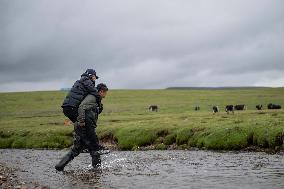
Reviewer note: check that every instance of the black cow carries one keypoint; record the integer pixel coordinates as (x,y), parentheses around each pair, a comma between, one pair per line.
(215,109)
(153,108)
(259,106)
(229,108)
(240,107)
(273,106)
(197,108)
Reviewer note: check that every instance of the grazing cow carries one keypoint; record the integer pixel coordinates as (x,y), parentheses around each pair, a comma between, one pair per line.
(197,108)
(240,107)
(229,108)
(273,106)
(215,109)
(153,108)
(259,106)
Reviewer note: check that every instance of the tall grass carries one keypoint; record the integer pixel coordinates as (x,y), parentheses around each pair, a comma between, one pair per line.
(35,120)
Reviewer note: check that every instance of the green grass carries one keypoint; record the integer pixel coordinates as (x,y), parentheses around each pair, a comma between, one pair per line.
(35,119)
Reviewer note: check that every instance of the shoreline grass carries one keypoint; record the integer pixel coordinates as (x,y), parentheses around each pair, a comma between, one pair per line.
(35,120)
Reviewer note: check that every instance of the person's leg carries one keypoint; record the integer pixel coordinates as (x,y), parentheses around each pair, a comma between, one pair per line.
(93,149)
(64,161)
(96,159)
(91,140)
(71,113)
(91,134)
(75,151)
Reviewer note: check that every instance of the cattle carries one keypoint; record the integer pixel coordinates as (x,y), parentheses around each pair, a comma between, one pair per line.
(153,108)
(215,109)
(273,106)
(197,108)
(259,106)
(240,107)
(229,108)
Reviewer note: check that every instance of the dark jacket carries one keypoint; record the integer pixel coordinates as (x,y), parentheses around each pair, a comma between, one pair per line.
(79,91)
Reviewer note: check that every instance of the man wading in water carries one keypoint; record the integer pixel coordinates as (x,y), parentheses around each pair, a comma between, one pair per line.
(85,130)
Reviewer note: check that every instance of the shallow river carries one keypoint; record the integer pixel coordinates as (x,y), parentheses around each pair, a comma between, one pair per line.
(151,169)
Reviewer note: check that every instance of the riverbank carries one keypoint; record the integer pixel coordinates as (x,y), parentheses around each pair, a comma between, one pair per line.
(34,120)
(10,179)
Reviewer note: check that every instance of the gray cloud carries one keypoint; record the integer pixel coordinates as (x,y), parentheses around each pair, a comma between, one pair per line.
(141,44)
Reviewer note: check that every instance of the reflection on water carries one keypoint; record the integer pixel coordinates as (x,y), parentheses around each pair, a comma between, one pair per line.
(152,169)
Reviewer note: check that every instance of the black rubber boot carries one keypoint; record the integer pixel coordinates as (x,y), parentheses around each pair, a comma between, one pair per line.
(101,147)
(64,161)
(96,159)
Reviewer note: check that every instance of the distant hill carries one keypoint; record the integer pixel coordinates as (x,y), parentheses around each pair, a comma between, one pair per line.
(213,88)
(65,89)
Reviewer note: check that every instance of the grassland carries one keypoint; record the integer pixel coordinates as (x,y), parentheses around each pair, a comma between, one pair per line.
(35,120)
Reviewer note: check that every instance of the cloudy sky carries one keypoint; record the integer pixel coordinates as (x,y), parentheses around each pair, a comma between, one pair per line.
(141,44)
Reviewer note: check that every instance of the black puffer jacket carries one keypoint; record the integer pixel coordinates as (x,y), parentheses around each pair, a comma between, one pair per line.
(79,91)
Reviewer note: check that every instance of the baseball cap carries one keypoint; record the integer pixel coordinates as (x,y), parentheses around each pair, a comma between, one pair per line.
(91,72)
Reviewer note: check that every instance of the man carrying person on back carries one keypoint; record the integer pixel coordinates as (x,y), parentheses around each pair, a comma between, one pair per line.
(81,88)
(85,130)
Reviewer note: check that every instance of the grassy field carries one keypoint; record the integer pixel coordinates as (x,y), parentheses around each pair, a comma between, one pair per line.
(35,119)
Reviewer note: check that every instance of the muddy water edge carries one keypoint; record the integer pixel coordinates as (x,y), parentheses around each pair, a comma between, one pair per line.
(148,169)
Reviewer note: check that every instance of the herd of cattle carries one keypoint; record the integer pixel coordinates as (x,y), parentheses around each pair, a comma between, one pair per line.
(228,108)
(232,108)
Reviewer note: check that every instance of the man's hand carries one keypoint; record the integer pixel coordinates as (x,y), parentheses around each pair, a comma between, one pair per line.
(101,107)
(82,124)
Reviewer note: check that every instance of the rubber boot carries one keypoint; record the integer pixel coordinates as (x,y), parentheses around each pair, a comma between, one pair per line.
(101,147)
(96,159)
(64,161)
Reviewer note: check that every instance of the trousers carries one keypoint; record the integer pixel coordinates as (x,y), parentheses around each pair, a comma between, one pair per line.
(71,113)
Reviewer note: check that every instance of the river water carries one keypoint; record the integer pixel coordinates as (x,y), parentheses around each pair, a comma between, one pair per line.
(151,169)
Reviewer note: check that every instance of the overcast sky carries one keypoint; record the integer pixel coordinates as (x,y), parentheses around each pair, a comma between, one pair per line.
(48,44)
